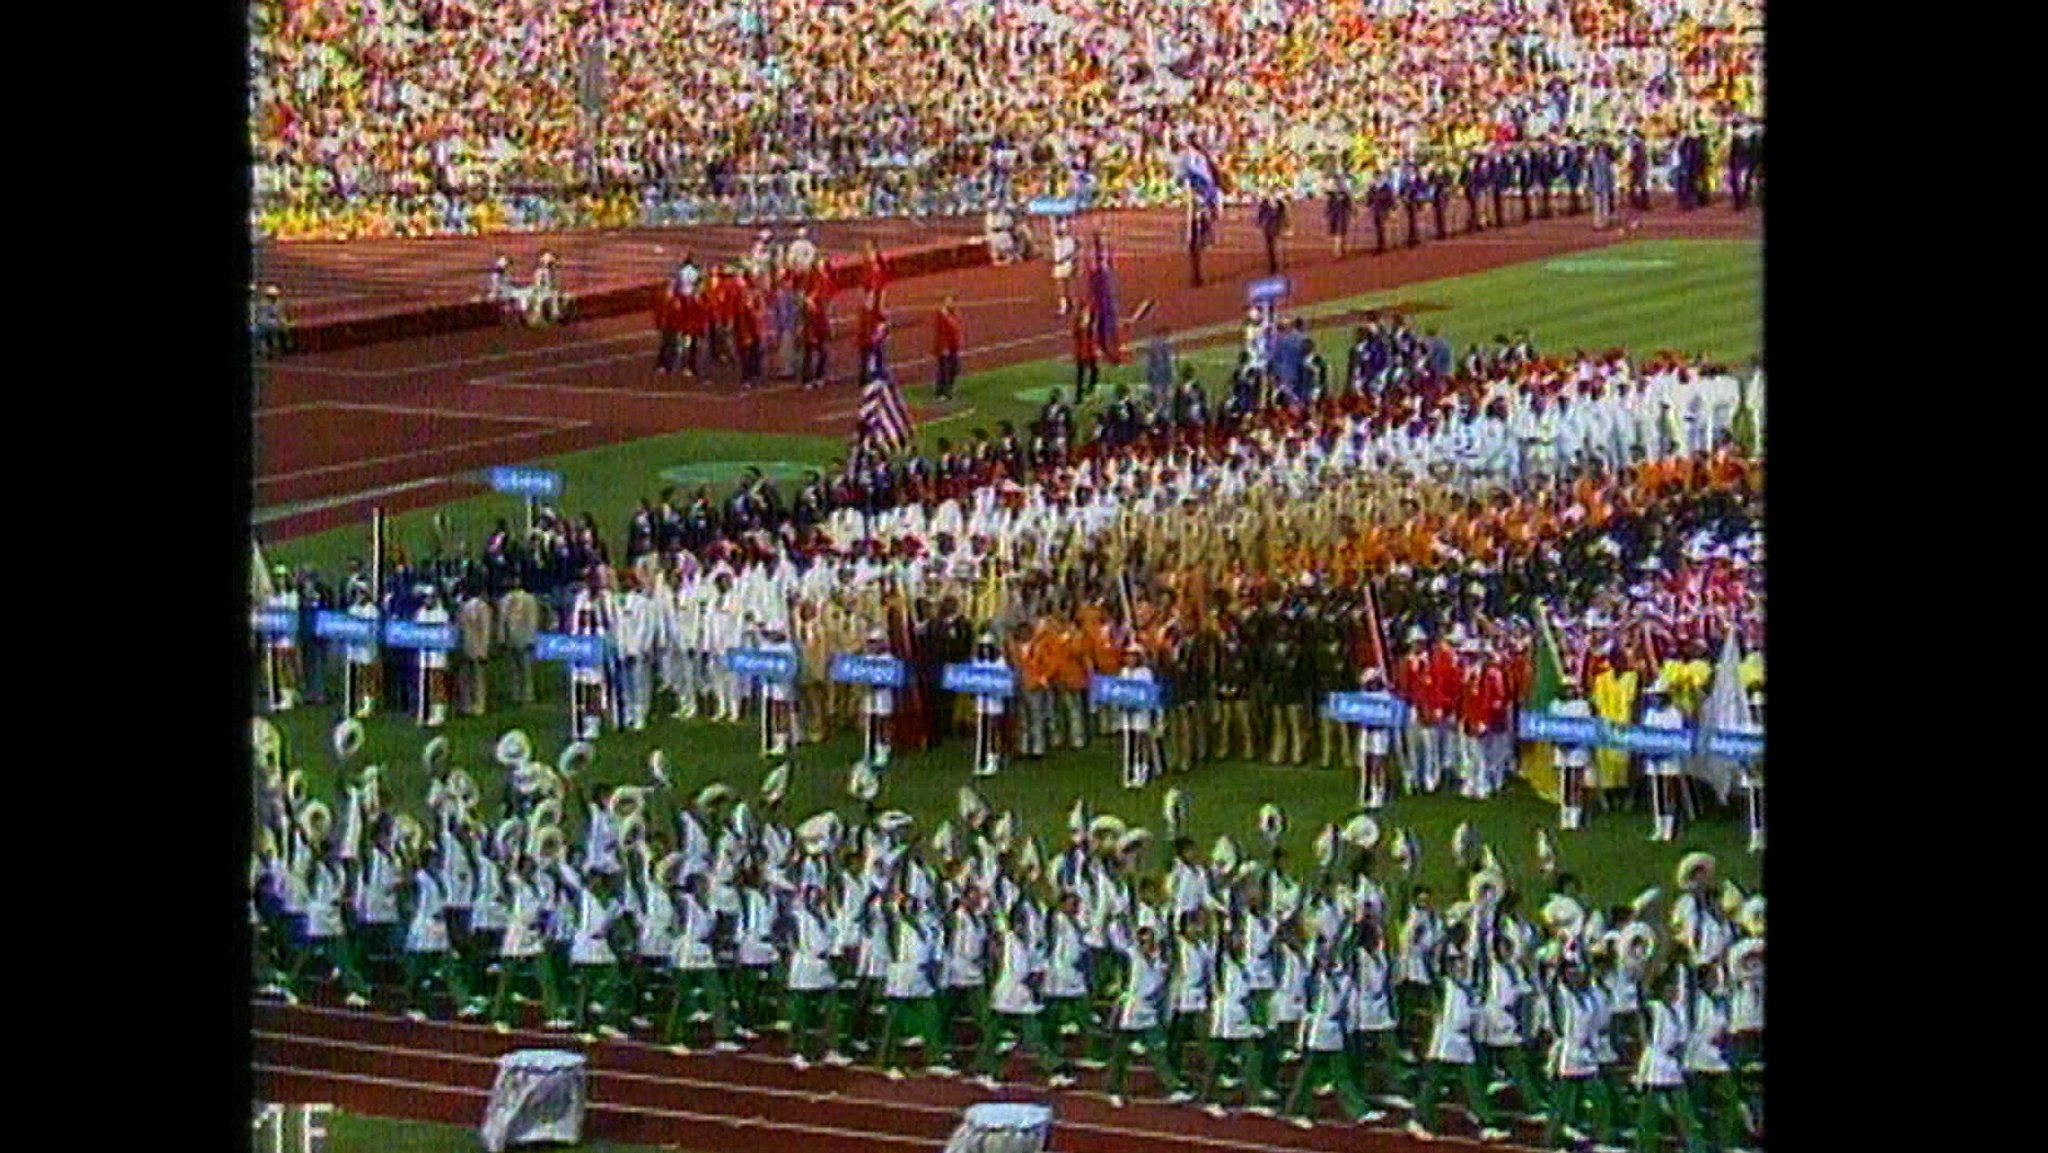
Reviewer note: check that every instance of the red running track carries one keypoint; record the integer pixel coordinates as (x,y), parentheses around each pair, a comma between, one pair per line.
(642,1094)
(407,424)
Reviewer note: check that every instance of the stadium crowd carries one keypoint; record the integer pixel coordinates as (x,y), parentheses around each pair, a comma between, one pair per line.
(1251,554)
(1240,978)
(413,117)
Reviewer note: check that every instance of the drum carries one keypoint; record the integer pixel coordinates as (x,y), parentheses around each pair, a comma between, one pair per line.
(538,1096)
(1002,1127)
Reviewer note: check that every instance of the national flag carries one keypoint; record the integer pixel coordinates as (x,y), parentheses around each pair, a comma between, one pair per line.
(1726,708)
(1206,179)
(884,422)
(1538,760)
(1376,635)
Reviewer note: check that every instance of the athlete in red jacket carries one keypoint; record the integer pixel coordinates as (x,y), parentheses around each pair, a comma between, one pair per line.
(946,344)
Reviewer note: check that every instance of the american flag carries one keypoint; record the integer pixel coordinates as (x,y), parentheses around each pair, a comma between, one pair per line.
(885,423)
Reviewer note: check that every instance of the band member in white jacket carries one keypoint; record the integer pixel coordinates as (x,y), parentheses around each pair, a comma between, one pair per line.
(1573,1063)
(813,987)
(1451,1048)
(1660,1070)
(1015,1007)
(1137,1017)
(428,958)
(1574,762)
(1330,1001)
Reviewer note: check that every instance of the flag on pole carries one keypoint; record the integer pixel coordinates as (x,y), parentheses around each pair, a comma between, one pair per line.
(884,422)
(1376,635)
(1538,760)
(1726,707)
(260,590)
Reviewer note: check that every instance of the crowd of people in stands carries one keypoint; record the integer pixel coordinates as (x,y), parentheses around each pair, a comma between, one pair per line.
(1242,979)
(398,117)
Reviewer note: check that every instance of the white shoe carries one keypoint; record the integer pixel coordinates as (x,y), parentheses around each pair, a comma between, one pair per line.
(1216,1111)
(942,1071)
(1261,1110)
(355,1001)
(799,1061)
(587,1038)
(1116,1100)
(1493,1134)
(894,1074)
(1370,1116)
(987,1082)
(1179,1097)
(500,1027)
(835,1057)
(1059,1080)
(415,1015)
(679,1049)
(1415,1130)
(726,1047)
(1301,1122)
(1396,1100)
(611,1032)
(556,1023)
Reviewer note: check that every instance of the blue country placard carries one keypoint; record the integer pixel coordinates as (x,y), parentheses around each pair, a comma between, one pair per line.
(1267,289)
(1651,741)
(526,481)
(1052,206)
(274,622)
(762,664)
(339,626)
(413,635)
(1122,692)
(1736,746)
(577,649)
(1558,730)
(980,679)
(868,669)
(1373,710)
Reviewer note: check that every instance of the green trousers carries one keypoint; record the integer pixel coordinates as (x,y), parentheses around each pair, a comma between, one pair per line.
(600,984)
(1326,1068)
(1247,1059)
(1653,1106)
(1182,1028)
(1031,1037)
(442,969)
(698,991)
(1512,1063)
(1373,1064)
(1434,1074)
(337,953)
(1154,1040)
(860,1015)
(533,969)
(755,995)
(1569,1097)
(1059,1013)
(915,1016)
(807,1008)
(969,1001)
(1717,1101)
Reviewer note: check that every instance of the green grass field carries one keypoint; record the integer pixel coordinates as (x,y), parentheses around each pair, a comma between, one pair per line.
(1706,299)
(1700,296)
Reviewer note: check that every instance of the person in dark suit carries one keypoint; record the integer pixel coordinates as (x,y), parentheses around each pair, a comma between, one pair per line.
(1337,214)
(1638,172)
(1381,201)
(1473,179)
(1545,157)
(1574,176)
(1439,195)
(1272,222)
(1499,172)
(1415,192)
(1525,179)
